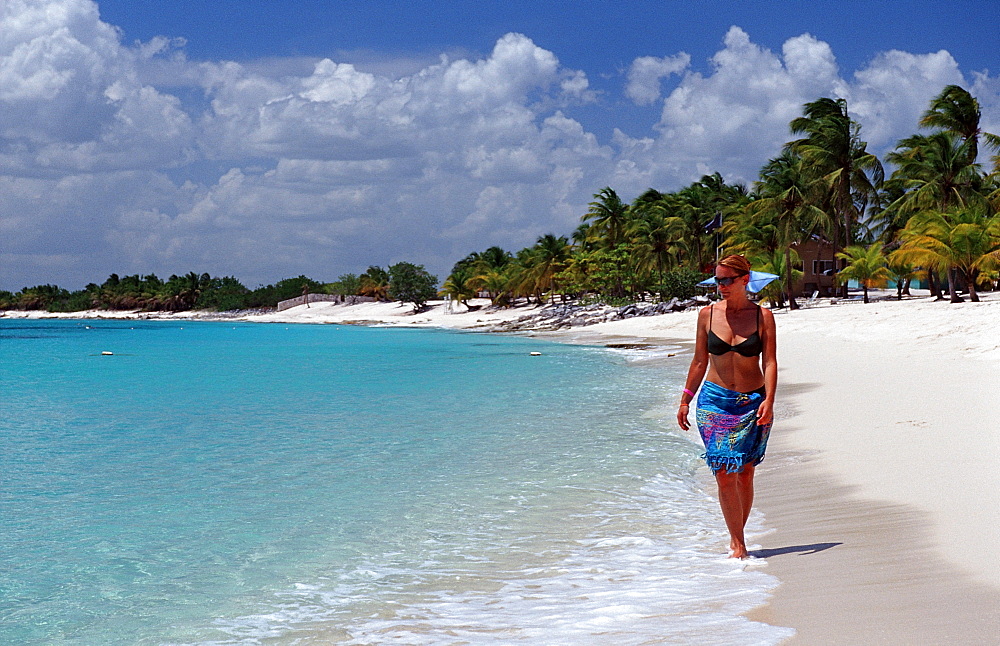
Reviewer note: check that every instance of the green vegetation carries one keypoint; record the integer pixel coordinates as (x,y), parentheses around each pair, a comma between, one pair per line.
(150,293)
(937,217)
(867,265)
(411,283)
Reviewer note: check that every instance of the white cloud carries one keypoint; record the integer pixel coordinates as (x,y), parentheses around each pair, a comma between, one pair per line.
(889,95)
(70,98)
(646,72)
(737,117)
(280,167)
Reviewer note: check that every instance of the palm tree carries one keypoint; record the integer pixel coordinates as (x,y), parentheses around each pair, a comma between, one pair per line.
(885,221)
(774,262)
(583,236)
(833,151)
(991,190)
(375,283)
(784,192)
(936,174)
(460,286)
(903,273)
(546,259)
(700,204)
(964,240)
(495,282)
(656,236)
(609,216)
(194,285)
(956,111)
(993,141)
(494,258)
(867,265)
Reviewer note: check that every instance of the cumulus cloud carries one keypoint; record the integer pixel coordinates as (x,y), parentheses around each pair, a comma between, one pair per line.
(646,72)
(71,100)
(741,110)
(894,89)
(736,117)
(131,158)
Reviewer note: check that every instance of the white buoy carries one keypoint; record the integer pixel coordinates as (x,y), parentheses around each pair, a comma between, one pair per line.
(107,354)
(536,354)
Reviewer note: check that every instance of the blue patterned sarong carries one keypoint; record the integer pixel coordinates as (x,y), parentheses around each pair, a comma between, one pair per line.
(727,421)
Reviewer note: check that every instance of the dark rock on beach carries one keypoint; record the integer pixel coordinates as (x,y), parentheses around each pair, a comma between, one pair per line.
(567,315)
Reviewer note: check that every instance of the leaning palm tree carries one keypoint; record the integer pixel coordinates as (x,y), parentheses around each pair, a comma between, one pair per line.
(459,286)
(832,151)
(867,265)
(964,241)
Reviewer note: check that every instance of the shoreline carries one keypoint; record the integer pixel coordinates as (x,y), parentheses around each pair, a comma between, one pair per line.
(872,473)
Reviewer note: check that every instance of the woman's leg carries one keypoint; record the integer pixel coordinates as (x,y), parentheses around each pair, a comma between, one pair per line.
(745,485)
(730,499)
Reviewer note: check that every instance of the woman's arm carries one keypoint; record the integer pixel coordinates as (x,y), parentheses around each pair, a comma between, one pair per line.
(699,364)
(765,414)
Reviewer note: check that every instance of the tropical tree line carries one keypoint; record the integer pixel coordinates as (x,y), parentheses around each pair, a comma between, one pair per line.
(934,218)
(402,281)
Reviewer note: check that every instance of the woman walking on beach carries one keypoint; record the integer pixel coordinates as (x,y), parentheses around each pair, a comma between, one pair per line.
(735,344)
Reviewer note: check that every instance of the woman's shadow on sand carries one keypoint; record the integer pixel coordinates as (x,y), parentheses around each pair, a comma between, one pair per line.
(793,549)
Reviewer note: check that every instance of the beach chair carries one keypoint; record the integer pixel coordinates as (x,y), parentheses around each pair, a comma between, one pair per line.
(812,300)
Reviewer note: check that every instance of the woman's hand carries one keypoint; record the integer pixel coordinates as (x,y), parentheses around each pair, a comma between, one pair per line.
(765,414)
(682,416)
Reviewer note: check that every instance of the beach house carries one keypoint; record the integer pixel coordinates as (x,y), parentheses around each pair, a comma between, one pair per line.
(818,267)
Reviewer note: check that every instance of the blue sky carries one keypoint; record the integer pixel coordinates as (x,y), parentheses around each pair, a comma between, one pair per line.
(265,139)
(600,37)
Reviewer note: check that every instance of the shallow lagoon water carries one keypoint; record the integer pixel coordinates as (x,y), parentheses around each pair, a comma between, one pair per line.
(219,483)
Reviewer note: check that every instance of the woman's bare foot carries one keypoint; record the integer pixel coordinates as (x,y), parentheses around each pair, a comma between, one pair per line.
(739,552)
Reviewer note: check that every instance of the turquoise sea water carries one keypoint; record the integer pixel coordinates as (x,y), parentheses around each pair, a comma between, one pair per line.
(220,483)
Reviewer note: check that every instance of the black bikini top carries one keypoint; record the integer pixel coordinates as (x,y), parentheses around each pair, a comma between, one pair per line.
(752,346)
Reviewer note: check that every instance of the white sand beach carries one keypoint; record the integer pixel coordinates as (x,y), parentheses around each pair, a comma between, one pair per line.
(881,484)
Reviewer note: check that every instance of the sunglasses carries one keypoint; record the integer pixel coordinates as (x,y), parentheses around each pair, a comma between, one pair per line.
(726,282)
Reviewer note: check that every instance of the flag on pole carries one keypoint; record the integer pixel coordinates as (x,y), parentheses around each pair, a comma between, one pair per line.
(714,223)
